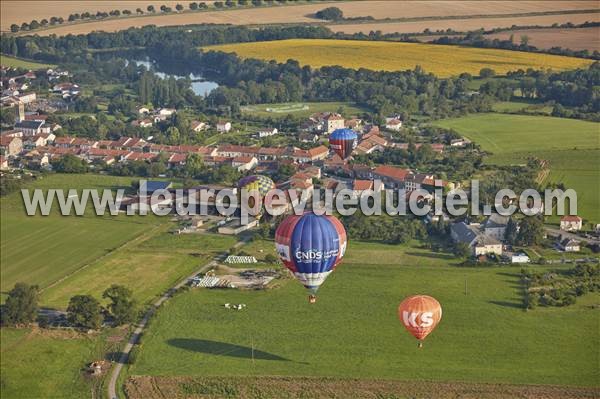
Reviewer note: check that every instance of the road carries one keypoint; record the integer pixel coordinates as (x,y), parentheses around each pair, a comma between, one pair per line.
(552,231)
(112,385)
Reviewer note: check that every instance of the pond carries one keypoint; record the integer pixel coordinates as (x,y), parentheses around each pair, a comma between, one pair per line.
(199,85)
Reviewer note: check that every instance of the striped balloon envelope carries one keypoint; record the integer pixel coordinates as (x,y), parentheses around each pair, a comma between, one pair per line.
(311,246)
(262,184)
(420,314)
(343,142)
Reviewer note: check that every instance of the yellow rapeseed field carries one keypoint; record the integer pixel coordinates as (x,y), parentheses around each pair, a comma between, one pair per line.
(441,60)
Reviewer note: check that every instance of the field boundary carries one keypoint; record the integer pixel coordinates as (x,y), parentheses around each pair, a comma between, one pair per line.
(135,239)
(327,387)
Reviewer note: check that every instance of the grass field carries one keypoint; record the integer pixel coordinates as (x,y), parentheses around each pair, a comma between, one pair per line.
(85,255)
(353,330)
(47,364)
(572,147)
(21,63)
(441,60)
(281,110)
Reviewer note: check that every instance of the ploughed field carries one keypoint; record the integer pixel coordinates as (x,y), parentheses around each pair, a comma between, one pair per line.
(440,60)
(353,332)
(572,147)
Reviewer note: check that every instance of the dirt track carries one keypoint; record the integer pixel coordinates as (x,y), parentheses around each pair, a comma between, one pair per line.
(139,387)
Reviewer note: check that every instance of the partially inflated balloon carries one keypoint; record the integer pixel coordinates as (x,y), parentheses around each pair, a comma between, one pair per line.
(256,183)
(343,142)
(311,246)
(420,314)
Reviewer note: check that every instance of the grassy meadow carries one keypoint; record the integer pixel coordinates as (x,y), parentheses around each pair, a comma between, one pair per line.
(14,62)
(572,147)
(443,61)
(86,254)
(353,330)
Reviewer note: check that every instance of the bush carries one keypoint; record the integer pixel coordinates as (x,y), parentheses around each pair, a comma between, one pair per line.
(330,14)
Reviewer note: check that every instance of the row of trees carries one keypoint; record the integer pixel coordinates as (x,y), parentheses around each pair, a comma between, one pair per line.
(84,311)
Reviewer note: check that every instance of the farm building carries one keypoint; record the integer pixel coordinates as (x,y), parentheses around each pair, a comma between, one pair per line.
(235,226)
(571,222)
(569,245)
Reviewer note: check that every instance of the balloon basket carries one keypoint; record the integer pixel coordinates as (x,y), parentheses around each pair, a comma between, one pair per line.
(312,299)
(420,345)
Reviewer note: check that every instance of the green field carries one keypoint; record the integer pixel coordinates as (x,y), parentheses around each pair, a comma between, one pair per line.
(303,110)
(572,147)
(89,253)
(13,62)
(47,364)
(353,330)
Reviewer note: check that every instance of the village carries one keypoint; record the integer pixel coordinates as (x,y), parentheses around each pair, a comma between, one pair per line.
(32,143)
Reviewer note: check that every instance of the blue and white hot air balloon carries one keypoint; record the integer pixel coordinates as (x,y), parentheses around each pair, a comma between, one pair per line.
(311,246)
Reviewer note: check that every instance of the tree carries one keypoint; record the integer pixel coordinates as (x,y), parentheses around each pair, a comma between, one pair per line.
(270,258)
(122,306)
(330,14)
(524,40)
(84,311)
(486,73)
(21,304)
(462,250)
(531,231)
(150,9)
(69,164)
(14,28)
(218,4)
(193,6)
(179,7)
(510,234)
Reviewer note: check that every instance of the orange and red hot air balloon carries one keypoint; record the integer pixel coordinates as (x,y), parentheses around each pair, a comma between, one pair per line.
(420,314)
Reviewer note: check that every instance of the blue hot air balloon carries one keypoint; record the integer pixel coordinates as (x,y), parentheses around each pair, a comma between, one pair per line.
(343,142)
(311,246)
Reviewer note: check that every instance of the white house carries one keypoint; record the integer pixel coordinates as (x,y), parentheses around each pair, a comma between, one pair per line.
(166,112)
(243,163)
(223,127)
(571,222)
(569,245)
(267,132)
(495,226)
(198,126)
(519,257)
(479,243)
(393,124)
(334,121)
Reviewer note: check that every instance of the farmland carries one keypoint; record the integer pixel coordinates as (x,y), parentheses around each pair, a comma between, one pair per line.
(298,13)
(281,110)
(41,363)
(353,331)
(574,39)
(13,62)
(571,146)
(87,254)
(463,25)
(440,60)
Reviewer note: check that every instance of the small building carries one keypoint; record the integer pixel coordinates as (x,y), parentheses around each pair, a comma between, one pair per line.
(244,163)
(267,132)
(471,235)
(223,126)
(235,226)
(10,146)
(333,122)
(29,128)
(393,124)
(495,226)
(569,245)
(519,257)
(198,126)
(571,223)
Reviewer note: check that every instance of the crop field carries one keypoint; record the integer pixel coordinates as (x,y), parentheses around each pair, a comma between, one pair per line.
(298,13)
(463,25)
(571,146)
(353,332)
(13,62)
(281,110)
(86,254)
(440,60)
(574,39)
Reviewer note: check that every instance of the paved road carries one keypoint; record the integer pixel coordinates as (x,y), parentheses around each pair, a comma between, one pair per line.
(556,232)
(112,385)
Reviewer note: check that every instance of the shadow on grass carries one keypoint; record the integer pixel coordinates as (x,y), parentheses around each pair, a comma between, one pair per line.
(508,304)
(432,255)
(222,349)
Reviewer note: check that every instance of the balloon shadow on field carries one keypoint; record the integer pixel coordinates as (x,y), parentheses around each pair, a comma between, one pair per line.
(222,349)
